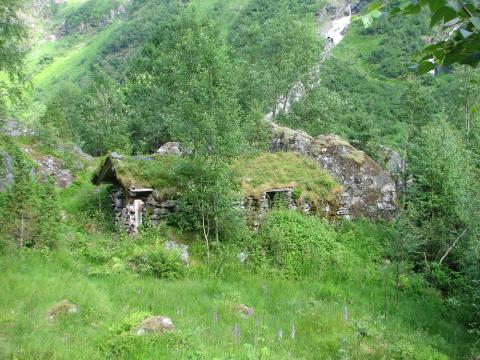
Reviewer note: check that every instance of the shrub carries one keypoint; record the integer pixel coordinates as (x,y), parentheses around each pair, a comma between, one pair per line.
(156,261)
(406,350)
(297,245)
(120,339)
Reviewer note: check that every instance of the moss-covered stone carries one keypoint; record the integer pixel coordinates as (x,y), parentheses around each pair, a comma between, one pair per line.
(63,307)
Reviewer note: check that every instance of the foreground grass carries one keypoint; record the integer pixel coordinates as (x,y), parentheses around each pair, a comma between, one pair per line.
(349,312)
(333,316)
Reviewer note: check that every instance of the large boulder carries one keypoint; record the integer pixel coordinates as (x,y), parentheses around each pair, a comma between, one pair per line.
(368,190)
(286,139)
(170,148)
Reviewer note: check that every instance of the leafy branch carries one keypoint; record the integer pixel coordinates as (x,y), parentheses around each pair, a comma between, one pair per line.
(460,18)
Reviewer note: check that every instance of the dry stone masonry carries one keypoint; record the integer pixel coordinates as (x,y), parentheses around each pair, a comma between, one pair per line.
(257,208)
(133,205)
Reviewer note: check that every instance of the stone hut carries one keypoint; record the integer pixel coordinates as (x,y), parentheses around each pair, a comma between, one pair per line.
(130,201)
(325,176)
(142,187)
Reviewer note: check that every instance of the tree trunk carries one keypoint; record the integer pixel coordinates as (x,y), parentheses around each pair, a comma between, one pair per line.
(206,231)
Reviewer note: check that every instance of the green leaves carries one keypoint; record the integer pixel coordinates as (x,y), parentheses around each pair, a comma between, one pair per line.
(373,12)
(443,13)
(460,19)
(433,5)
(425,66)
(368,19)
(475,20)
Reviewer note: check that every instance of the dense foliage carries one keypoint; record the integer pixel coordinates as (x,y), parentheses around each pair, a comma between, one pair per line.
(298,246)
(460,25)
(12,36)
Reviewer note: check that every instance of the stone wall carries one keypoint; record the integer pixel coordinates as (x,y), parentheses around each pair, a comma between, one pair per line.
(257,208)
(132,211)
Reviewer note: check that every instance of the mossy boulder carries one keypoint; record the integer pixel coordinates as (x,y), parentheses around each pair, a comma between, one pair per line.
(63,307)
(368,190)
(154,325)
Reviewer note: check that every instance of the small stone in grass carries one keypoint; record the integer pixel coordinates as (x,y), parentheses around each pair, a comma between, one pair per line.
(244,310)
(154,325)
(62,307)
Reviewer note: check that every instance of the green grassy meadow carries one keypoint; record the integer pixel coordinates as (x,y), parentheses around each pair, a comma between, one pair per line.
(345,311)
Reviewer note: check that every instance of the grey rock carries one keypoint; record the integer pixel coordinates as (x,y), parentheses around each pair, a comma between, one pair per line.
(170,148)
(286,139)
(169,204)
(15,128)
(82,155)
(181,248)
(161,212)
(243,256)
(154,325)
(368,190)
(50,166)
(396,166)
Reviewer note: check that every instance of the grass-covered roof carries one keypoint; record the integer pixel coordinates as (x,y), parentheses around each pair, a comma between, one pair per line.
(256,174)
(285,170)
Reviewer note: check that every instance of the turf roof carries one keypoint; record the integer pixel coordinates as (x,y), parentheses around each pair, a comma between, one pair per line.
(256,174)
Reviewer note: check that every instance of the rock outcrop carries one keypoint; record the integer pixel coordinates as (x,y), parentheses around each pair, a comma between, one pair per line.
(368,190)
(49,166)
(15,128)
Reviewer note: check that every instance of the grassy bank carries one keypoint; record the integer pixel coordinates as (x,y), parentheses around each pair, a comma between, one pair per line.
(377,325)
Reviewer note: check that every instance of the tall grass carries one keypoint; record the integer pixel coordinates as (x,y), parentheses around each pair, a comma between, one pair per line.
(376,324)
